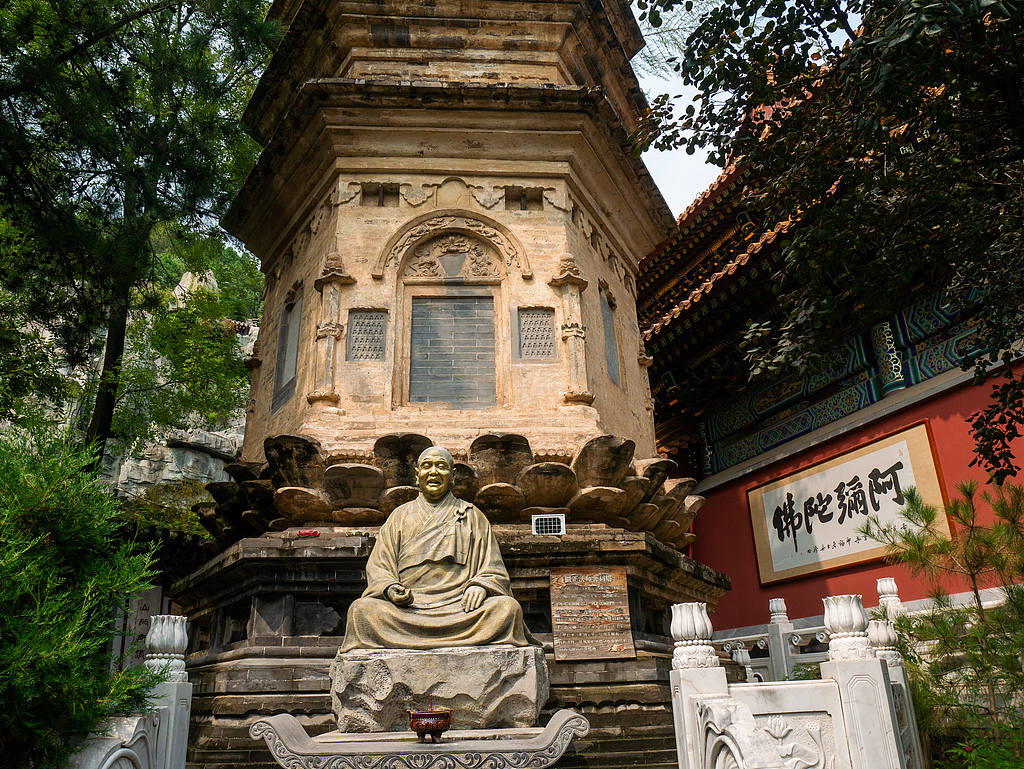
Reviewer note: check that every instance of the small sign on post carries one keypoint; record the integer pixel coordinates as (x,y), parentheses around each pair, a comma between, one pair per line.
(590,614)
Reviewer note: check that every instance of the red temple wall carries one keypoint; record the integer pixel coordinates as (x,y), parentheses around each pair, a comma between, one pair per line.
(725,539)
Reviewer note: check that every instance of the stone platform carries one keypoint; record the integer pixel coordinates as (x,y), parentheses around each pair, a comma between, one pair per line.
(461,749)
(486,687)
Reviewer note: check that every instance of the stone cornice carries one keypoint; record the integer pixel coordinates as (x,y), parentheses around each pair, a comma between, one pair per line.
(416,98)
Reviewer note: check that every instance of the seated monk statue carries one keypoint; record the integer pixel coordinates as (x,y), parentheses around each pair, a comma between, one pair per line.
(435,577)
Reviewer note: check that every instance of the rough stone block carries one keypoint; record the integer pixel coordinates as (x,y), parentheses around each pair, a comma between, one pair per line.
(487,687)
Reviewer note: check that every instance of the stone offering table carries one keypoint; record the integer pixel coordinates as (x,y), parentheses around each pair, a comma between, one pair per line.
(468,749)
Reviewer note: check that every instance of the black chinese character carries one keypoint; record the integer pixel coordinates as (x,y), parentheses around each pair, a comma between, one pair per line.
(884,481)
(787,521)
(851,498)
(817,507)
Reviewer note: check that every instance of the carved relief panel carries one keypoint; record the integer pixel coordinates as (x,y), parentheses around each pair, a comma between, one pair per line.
(454,257)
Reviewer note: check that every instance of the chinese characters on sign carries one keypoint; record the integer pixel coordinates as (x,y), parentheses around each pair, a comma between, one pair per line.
(850,501)
(590,614)
(810,520)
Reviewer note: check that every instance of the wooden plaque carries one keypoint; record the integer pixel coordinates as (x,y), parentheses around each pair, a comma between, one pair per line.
(808,521)
(590,614)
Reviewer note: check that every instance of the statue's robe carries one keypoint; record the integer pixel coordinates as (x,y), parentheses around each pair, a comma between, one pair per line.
(436,551)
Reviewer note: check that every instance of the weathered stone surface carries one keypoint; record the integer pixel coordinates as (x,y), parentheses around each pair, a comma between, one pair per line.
(397,495)
(353,485)
(260,496)
(359,516)
(300,505)
(500,458)
(486,687)
(294,461)
(465,482)
(315,619)
(223,446)
(636,489)
(691,506)
(603,461)
(547,484)
(257,521)
(500,502)
(597,503)
(160,464)
(243,471)
(396,456)
(656,471)
(645,516)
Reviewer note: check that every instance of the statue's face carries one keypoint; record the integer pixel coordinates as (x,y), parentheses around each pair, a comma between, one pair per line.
(433,476)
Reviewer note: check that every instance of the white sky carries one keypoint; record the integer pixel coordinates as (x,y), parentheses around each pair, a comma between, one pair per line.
(680,177)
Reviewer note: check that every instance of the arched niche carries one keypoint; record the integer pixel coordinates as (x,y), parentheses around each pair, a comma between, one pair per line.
(429,226)
(452,346)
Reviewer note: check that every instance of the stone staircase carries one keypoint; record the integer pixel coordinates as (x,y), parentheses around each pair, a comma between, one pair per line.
(630,735)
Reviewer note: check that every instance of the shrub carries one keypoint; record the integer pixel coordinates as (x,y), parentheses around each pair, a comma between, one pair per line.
(62,573)
(964,661)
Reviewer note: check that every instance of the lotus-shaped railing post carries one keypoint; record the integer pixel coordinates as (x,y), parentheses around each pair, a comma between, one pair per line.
(165,645)
(691,629)
(847,623)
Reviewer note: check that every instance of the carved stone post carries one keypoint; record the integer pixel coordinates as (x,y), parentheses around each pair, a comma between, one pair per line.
(882,635)
(329,330)
(780,651)
(847,625)
(691,628)
(741,656)
(865,692)
(695,673)
(889,597)
(778,611)
(171,701)
(165,645)
(890,361)
(573,331)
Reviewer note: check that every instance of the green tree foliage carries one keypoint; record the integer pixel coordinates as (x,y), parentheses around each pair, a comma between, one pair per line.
(964,660)
(893,132)
(182,367)
(62,573)
(117,117)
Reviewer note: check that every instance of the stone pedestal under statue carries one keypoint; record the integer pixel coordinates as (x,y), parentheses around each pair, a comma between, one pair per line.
(487,687)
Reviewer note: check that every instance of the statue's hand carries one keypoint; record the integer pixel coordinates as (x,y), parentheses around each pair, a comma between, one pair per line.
(473,598)
(399,595)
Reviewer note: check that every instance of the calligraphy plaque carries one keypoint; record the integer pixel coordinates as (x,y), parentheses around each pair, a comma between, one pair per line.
(590,614)
(808,521)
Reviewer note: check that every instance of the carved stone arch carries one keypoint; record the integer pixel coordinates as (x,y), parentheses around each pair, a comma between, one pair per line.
(429,226)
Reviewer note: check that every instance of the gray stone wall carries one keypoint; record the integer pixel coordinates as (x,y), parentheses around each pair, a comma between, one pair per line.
(452,351)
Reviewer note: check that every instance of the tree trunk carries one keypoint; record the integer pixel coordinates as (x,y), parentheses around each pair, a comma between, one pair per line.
(106,396)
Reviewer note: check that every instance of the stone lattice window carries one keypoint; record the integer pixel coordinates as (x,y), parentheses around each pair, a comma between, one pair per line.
(536,333)
(367,334)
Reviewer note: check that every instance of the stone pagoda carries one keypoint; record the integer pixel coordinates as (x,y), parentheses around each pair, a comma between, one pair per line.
(449,218)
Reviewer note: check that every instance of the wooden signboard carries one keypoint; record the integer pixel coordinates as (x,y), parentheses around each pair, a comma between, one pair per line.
(590,614)
(808,521)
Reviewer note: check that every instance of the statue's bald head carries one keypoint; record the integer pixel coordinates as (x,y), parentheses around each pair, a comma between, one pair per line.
(434,473)
(437,451)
